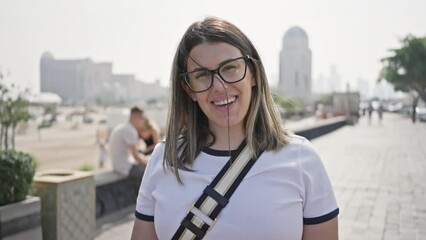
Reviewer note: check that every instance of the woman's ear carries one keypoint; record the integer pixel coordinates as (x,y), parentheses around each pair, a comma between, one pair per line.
(188,91)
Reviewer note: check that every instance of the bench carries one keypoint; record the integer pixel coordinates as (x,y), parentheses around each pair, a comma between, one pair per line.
(114,193)
(321,128)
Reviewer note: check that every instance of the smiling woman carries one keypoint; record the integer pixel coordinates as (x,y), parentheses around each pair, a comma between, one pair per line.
(228,169)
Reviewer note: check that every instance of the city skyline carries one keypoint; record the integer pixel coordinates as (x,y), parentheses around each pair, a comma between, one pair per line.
(140,37)
(82,81)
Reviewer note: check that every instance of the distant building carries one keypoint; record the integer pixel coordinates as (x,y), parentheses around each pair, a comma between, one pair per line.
(83,81)
(334,83)
(45,99)
(328,83)
(318,85)
(363,87)
(384,90)
(296,65)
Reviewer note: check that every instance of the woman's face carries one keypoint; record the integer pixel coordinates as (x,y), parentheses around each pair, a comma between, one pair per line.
(221,96)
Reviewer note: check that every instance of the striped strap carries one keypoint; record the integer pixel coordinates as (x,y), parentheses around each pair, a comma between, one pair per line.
(202,215)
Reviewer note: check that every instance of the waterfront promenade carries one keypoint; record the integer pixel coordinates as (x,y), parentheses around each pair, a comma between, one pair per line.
(378,171)
(379,175)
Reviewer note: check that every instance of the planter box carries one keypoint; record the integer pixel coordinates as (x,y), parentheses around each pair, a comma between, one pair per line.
(67,204)
(21,220)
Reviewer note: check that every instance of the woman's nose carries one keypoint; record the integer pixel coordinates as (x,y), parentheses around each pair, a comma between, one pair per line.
(218,82)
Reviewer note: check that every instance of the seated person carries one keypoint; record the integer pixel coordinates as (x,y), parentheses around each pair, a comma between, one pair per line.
(150,134)
(122,146)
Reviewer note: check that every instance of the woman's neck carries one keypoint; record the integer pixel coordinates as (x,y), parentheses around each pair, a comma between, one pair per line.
(223,141)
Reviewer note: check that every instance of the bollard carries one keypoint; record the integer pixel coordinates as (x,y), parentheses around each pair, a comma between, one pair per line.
(67,204)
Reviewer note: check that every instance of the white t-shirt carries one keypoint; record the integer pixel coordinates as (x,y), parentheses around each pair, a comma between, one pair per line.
(284,190)
(122,136)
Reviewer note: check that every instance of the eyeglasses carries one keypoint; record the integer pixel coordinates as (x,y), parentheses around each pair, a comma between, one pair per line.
(230,71)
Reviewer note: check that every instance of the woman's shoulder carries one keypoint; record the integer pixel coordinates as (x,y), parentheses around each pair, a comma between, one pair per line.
(297,140)
(298,146)
(157,154)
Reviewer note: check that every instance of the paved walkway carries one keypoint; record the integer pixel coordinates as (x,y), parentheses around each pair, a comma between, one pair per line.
(379,175)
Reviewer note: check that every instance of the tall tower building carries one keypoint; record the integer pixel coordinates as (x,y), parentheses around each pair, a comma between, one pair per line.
(296,65)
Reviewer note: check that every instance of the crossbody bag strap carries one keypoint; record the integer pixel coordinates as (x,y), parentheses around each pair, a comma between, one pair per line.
(202,215)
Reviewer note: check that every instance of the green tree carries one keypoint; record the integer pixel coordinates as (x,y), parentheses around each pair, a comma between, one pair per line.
(406,68)
(12,112)
(19,114)
(291,105)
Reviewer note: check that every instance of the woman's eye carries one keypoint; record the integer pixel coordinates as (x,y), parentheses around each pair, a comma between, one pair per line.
(229,67)
(229,70)
(201,75)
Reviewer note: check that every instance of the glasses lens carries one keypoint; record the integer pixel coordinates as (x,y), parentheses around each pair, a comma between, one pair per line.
(199,80)
(233,71)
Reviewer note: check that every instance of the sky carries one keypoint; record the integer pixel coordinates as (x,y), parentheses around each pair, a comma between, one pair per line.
(140,37)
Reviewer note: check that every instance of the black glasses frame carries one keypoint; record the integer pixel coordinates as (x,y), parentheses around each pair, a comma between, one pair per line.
(213,72)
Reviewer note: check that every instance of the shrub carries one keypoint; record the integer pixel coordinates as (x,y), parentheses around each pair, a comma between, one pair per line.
(86,167)
(17,171)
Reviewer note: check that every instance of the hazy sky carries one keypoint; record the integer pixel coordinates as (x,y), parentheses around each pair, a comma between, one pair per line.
(140,37)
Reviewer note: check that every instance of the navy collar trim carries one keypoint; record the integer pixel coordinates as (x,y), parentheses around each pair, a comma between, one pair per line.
(223,153)
(219,153)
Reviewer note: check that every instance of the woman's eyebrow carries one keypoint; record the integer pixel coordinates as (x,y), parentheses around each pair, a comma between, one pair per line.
(199,65)
(204,68)
(200,68)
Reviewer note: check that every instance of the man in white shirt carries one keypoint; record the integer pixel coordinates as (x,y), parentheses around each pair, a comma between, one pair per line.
(123,146)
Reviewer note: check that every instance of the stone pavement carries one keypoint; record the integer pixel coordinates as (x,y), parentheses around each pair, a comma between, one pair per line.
(378,171)
(379,175)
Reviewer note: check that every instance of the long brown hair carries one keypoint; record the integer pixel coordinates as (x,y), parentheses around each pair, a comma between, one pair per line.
(188,127)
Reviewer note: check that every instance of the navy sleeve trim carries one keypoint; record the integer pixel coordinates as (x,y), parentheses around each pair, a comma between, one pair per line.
(321,219)
(144,217)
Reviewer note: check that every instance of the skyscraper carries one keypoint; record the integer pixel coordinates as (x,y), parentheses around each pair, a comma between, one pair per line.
(296,65)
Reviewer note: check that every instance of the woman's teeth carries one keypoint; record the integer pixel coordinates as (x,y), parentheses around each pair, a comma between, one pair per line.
(224,102)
